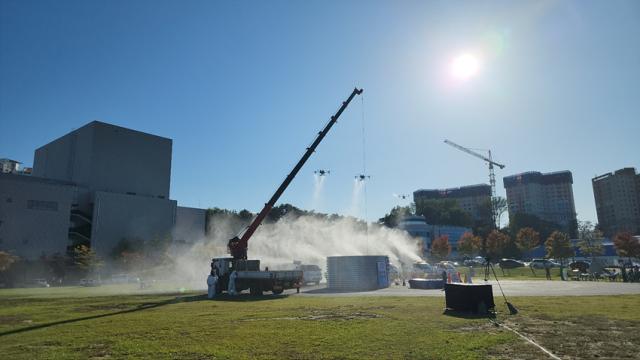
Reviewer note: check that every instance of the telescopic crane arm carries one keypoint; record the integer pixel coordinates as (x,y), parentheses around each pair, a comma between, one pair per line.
(238,246)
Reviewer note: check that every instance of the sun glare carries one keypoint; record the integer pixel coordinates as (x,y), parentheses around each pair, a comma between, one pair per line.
(465,66)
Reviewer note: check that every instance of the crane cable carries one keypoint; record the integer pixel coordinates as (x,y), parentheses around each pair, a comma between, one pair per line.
(364,172)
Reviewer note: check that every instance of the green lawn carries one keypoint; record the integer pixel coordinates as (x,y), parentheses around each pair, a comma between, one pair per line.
(86,323)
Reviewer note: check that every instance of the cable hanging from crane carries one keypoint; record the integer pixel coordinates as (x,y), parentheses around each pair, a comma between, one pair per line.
(364,172)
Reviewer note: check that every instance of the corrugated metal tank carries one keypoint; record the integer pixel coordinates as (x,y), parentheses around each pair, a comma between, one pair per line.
(357,273)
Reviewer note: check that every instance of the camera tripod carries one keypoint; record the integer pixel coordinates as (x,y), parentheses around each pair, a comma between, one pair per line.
(488,270)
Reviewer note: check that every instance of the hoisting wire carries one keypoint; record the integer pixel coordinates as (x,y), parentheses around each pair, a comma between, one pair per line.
(364,172)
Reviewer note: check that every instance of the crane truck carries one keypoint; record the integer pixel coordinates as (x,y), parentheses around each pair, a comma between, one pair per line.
(245,273)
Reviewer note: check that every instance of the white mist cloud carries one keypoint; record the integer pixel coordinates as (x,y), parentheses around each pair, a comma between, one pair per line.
(309,239)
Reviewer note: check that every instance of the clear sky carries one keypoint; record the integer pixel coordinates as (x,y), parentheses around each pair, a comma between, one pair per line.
(242,87)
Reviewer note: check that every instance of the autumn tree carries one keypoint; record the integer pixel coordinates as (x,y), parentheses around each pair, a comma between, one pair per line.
(440,247)
(627,245)
(527,239)
(469,245)
(85,259)
(496,243)
(7,260)
(558,246)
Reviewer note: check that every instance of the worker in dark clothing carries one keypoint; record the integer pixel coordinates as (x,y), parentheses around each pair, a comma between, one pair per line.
(547,271)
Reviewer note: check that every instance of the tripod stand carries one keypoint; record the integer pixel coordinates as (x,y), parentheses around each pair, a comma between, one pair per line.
(488,270)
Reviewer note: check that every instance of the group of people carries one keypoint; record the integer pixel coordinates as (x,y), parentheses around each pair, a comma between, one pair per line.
(630,274)
(212,283)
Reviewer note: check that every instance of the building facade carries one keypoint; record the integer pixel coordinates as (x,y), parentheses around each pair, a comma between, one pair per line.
(474,199)
(95,186)
(35,215)
(8,166)
(417,227)
(617,197)
(548,196)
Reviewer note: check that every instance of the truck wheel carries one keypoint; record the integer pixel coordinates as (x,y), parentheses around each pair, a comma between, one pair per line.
(255,291)
(277,291)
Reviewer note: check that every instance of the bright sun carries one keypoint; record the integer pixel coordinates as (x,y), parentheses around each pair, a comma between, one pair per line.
(465,66)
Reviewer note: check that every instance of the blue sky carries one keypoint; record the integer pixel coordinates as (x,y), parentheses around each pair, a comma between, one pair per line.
(242,87)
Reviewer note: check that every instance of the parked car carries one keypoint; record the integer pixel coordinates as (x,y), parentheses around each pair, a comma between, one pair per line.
(510,264)
(311,274)
(41,283)
(476,261)
(89,282)
(541,263)
(581,265)
(445,265)
(422,266)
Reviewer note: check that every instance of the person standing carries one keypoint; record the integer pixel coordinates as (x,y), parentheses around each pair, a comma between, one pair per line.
(212,283)
(231,290)
(547,270)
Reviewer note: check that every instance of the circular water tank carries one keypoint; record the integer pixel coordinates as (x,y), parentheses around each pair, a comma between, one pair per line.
(357,273)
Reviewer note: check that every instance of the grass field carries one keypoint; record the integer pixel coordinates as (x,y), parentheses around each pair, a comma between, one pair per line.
(105,322)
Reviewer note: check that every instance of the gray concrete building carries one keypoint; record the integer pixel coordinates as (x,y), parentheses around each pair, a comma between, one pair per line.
(34,215)
(105,157)
(190,225)
(617,197)
(474,199)
(97,185)
(548,196)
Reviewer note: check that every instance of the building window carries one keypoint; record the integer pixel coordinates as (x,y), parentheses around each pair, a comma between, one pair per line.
(9,200)
(42,205)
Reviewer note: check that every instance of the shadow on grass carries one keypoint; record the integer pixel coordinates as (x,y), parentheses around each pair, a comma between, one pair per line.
(468,315)
(147,306)
(246,297)
(334,291)
(144,306)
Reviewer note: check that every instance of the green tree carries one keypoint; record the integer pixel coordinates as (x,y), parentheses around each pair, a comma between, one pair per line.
(498,207)
(590,239)
(58,265)
(393,218)
(469,245)
(527,239)
(440,247)
(627,245)
(126,245)
(443,212)
(558,246)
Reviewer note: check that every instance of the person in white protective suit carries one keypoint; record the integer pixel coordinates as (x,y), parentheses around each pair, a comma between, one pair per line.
(232,283)
(212,282)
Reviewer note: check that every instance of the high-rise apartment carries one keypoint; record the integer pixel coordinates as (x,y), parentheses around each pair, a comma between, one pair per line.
(548,196)
(617,197)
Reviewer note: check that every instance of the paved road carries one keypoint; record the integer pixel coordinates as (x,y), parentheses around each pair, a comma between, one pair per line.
(510,287)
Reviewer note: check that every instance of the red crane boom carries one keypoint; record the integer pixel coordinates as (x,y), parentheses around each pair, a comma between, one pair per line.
(238,246)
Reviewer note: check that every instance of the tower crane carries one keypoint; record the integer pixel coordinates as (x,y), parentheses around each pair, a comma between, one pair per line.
(492,175)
